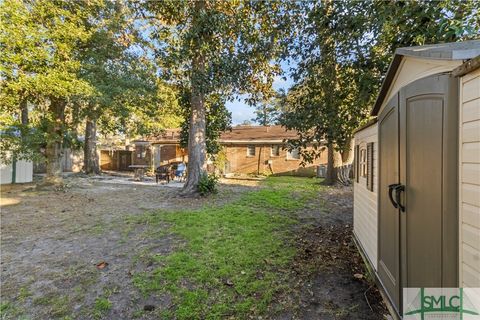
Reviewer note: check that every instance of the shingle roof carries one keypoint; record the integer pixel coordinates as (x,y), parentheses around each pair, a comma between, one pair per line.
(239,134)
(257,133)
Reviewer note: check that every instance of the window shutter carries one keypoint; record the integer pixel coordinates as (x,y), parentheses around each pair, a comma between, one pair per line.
(370,166)
(357,163)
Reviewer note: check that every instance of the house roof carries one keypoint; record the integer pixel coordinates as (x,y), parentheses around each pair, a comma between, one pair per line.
(169,136)
(238,135)
(257,134)
(446,52)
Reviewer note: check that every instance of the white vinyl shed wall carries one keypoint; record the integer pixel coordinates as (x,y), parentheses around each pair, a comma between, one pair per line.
(365,201)
(23,174)
(469,180)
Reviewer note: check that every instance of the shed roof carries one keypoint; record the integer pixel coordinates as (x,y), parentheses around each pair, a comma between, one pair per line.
(443,51)
(446,52)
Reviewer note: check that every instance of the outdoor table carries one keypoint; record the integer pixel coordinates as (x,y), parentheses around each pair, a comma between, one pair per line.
(139,171)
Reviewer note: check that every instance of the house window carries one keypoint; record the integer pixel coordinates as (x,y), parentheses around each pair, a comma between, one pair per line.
(275,152)
(250,151)
(293,154)
(363,162)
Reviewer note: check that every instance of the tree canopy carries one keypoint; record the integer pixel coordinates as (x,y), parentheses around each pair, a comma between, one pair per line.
(217,49)
(70,71)
(343,50)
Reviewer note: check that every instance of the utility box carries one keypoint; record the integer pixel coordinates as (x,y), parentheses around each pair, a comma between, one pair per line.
(321,171)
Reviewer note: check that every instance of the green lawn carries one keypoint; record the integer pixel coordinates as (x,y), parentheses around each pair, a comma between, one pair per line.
(235,256)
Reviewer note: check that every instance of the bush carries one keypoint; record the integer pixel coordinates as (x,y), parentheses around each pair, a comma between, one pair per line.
(207,184)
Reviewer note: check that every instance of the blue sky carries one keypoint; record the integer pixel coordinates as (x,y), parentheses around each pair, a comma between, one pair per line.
(242,111)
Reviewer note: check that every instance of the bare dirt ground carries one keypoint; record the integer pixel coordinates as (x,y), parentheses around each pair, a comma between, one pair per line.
(65,253)
(331,279)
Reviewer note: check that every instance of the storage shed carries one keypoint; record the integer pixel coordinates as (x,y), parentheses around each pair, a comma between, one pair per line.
(417,182)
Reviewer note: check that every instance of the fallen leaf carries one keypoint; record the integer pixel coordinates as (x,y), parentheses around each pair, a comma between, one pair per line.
(102,265)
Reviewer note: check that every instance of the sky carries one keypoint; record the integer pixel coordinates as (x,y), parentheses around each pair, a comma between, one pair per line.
(242,111)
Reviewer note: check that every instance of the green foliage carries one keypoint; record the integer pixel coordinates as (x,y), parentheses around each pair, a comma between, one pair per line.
(92,59)
(217,48)
(207,184)
(220,160)
(344,49)
(239,42)
(268,112)
(39,66)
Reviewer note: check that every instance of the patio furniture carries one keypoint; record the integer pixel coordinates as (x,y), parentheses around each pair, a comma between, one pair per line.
(138,171)
(181,171)
(163,173)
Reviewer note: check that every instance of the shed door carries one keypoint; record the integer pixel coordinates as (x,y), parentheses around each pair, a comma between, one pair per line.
(388,215)
(428,170)
(418,240)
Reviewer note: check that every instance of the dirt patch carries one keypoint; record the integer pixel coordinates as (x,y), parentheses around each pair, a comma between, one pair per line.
(331,279)
(52,241)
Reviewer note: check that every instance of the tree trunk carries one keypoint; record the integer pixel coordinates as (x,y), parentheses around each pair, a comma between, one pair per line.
(334,161)
(24,112)
(54,149)
(347,154)
(197,147)
(90,156)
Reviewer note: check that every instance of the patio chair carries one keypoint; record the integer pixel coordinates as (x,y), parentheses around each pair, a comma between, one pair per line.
(181,171)
(162,173)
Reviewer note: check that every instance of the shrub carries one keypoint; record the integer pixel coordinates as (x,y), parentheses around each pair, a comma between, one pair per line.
(207,184)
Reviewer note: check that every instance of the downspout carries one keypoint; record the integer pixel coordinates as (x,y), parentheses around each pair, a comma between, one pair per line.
(259,157)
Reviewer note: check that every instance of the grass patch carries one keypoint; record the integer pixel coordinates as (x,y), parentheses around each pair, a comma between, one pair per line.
(10,311)
(58,306)
(101,307)
(236,256)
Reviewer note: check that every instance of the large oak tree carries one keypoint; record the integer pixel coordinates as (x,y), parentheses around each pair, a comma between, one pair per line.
(217,48)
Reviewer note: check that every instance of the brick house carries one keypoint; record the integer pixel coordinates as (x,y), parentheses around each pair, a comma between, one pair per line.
(248,150)
(259,149)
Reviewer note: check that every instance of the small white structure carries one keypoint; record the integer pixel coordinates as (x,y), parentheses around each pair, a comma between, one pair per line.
(20,171)
(417,172)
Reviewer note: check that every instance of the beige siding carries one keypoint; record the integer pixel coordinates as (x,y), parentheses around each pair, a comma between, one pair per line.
(365,201)
(469,186)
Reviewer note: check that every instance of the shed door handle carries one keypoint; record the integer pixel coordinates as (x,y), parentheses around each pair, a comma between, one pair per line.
(398,189)
(390,190)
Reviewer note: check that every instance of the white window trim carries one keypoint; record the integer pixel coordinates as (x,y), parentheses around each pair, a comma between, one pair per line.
(363,161)
(289,155)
